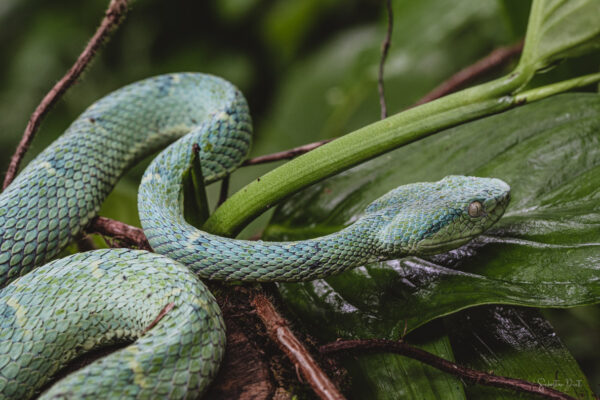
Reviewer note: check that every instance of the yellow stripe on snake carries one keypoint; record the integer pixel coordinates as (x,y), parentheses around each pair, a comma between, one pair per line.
(54,313)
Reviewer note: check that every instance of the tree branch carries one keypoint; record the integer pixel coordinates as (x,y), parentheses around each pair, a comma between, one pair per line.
(127,235)
(279,331)
(495,59)
(114,14)
(160,316)
(478,377)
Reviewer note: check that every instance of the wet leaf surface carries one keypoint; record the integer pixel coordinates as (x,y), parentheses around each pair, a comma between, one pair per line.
(543,253)
(514,342)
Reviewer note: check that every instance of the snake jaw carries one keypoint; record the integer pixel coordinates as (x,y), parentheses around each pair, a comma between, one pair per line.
(431,218)
(465,227)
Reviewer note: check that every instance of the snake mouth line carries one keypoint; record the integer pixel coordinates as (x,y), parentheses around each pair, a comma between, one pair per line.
(436,248)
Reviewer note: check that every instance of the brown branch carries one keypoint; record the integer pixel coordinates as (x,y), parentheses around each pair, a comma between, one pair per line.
(112,17)
(385,47)
(278,330)
(444,365)
(494,60)
(127,235)
(286,154)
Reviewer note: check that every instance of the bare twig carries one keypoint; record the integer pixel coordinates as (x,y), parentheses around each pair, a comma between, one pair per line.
(128,235)
(462,372)
(494,60)
(385,47)
(278,329)
(286,154)
(112,17)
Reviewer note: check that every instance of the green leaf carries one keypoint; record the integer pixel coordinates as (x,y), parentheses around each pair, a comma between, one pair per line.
(391,376)
(514,342)
(544,252)
(559,29)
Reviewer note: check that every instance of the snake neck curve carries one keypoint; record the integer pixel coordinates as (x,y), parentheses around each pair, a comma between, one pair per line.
(160,204)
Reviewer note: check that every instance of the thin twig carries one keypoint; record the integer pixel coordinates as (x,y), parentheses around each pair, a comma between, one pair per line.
(127,235)
(444,365)
(494,60)
(385,47)
(286,154)
(114,14)
(278,329)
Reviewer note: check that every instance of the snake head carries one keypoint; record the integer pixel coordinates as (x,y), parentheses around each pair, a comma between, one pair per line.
(433,217)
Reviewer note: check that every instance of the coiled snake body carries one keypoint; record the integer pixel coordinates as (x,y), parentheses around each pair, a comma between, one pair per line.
(87,300)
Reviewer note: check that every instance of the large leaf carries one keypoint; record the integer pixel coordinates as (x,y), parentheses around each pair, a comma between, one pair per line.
(391,376)
(506,340)
(513,342)
(559,29)
(544,252)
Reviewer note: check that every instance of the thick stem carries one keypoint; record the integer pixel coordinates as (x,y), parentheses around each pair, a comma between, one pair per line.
(376,139)
(354,148)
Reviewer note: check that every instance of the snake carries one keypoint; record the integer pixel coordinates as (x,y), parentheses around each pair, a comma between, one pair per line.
(54,310)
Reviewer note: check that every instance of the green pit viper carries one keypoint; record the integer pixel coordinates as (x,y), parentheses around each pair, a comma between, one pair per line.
(69,306)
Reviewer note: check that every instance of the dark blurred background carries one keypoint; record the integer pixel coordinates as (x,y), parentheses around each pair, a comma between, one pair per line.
(307,67)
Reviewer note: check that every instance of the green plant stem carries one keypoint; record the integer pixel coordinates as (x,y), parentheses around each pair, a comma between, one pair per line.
(546,91)
(359,146)
(374,140)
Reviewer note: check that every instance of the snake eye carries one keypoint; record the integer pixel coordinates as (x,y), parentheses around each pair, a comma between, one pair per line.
(475,209)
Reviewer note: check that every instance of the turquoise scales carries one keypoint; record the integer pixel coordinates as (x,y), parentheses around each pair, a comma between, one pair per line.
(62,189)
(62,311)
(57,194)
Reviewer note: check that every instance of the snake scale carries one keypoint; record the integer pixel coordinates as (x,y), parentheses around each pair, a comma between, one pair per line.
(71,305)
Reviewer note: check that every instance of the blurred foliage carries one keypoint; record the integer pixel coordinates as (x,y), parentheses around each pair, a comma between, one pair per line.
(307,67)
